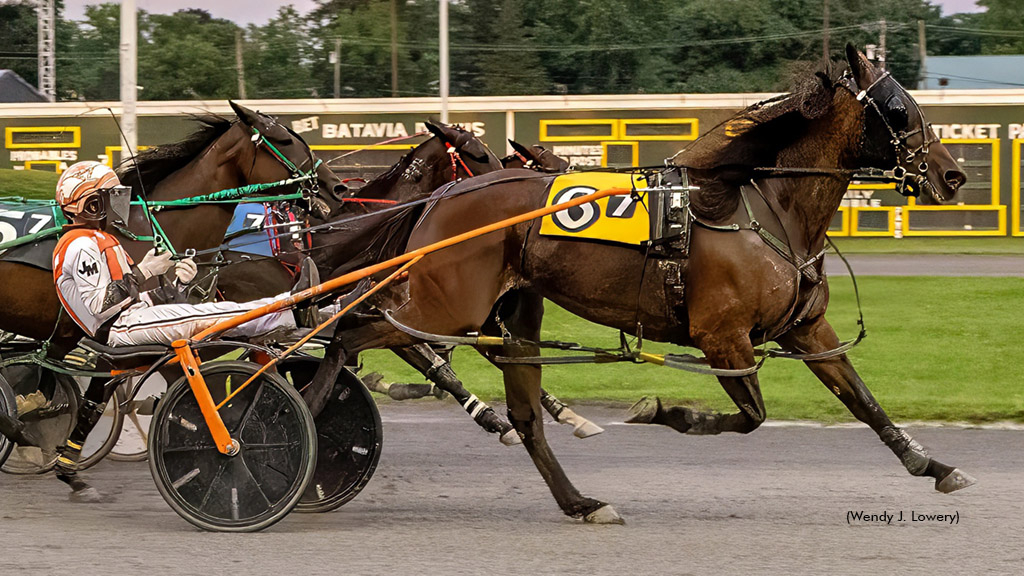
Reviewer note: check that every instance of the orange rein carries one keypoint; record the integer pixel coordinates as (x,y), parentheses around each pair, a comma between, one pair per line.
(190,363)
(356,275)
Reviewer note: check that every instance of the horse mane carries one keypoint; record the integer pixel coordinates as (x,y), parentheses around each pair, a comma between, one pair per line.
(722,159)
(152,165)
(380,185)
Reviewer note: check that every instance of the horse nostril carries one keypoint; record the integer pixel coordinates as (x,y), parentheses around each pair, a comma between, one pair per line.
(955,179)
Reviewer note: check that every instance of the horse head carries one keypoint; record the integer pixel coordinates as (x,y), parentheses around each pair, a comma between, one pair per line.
(470,155)
(280,154)
(535,157)
(896,135)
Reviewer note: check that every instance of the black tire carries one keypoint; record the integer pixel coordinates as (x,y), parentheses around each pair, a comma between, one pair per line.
(253,489)
(9,407)
(349,437)
(105,433)
(51,427)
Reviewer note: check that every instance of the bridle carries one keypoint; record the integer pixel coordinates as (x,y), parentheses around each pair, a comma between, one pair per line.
(309,184)
(910,172)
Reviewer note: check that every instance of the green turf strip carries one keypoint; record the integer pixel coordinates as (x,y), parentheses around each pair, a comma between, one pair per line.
(937,349)
(28,184)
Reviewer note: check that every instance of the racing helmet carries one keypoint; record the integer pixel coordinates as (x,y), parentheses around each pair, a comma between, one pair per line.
(81,190)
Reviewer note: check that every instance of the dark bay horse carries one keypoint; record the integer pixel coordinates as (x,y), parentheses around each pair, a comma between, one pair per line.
(789,159)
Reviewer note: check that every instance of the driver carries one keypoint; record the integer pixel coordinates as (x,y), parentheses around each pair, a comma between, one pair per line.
(98,284)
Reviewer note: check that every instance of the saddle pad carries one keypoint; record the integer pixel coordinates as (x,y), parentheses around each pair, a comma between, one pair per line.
(249,217)
(617,219)
(38,254)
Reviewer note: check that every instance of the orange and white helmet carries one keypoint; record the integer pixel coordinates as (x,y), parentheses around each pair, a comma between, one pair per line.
(78,190)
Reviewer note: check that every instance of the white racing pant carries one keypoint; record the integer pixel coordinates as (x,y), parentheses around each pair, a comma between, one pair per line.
(163,324)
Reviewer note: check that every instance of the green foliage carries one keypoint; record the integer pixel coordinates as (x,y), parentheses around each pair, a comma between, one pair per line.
(187,55)
(498,47)
(277,57)
(18,42)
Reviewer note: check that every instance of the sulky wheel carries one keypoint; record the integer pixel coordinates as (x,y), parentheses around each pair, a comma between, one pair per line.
(9,407)
(262,482)
(349,436)
(47,402)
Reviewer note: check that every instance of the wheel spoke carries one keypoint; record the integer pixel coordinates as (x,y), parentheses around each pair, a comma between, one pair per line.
(276,445)
(180,449)
(248,411)
(142,430)
(209,489)
(256,484)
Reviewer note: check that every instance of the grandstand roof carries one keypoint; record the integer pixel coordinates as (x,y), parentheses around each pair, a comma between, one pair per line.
(13,88)
(973,72)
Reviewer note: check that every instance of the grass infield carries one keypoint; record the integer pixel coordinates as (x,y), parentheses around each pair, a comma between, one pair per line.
(29,184)
(937,349)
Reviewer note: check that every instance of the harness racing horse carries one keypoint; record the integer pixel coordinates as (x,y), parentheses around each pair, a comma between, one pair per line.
(784,163)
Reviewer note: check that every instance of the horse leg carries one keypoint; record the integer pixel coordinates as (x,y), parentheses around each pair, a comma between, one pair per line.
(729,352)
(522,392)
(93,404)
(839,376)
(560,411)
(439,371)
(414,390)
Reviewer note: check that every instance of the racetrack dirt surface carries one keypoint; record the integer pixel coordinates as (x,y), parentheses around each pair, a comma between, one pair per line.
(449,499)
(927,265)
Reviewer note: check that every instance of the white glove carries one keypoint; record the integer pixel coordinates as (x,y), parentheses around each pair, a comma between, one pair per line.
(154,264)
(185,271)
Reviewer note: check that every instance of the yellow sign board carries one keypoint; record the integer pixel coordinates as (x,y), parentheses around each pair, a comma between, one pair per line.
(619,219)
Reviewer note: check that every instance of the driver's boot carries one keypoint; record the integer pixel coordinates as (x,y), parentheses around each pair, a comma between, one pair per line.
(306,315)
(70,453)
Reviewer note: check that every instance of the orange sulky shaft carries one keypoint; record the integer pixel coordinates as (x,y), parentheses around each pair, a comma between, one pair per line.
(356,275)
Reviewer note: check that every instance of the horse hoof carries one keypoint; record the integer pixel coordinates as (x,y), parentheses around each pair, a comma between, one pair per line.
(88,495)
(604,515)
(408,391)
(644,411)
(511,438)
(586,429)
(955,480)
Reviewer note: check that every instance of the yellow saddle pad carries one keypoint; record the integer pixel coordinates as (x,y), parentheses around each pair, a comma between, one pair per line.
(617,219)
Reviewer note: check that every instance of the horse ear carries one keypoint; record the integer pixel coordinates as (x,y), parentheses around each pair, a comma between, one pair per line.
(245,115)
(526,152)
(436,130)
(862,68)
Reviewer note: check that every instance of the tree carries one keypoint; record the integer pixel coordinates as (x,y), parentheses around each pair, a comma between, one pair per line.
(278,57)
(187,55)
(18,39)
(90,67)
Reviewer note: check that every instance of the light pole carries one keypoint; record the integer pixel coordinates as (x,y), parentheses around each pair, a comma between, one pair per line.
(129,85)
(443,87)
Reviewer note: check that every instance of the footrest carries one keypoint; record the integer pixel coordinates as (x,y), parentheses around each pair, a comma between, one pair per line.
(123,356)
